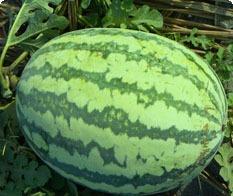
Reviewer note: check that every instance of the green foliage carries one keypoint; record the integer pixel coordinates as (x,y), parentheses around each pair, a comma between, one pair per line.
(8,118)
(230,99)
(103,4)
(194,40)
(91,12)
(32,45)
(124,14)
(72,188)
(219,57)
(119,13)
(85,4)
(34,17)
(145,17)
(34,21)
(222,62)
(225,158)
(197,40)
(21,175)
(9,128)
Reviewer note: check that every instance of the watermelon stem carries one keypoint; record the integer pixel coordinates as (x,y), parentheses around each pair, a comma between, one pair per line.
(4,81)
(72,14)
(16,62)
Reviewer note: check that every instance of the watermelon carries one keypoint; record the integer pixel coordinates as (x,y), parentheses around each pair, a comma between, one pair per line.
(121,111)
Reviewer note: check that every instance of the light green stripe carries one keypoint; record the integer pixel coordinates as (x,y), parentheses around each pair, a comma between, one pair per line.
(149,46)
(120,67)
(84,93)
(146,47)
(115,119)
(126,189)
(45,121)
(39,141)
(168,48)
(167,157)
(183,89)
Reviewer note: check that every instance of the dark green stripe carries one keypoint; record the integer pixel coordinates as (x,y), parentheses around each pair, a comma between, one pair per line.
(142,36)
(116,180)
(167,67)
(72,145)
(65,72)
(115,119)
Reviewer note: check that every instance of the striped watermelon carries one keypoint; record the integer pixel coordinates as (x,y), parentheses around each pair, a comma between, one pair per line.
(121,111)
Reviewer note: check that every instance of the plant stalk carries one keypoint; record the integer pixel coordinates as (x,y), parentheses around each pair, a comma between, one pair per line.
(15,63)
(216,34)
(4,83)
(72,13)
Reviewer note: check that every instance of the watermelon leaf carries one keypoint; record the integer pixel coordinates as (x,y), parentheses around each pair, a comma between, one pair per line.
(223,64)
(18,173)
(124,14)
(85,4)
(202,41)
(57,182)
(118,13)
(209,57)
(72,188)
(230,99)
(147,16)
(34,17)
(35,175)
(8,119)
(224,159)
(31,45)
